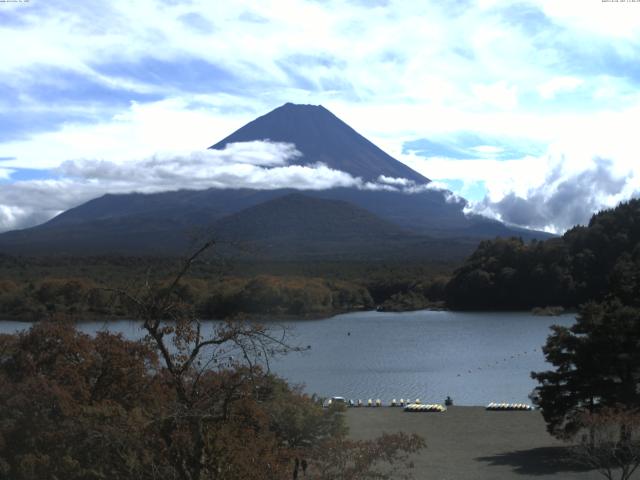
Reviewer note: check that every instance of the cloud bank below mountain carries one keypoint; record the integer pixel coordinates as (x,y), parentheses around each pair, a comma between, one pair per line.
(257,165)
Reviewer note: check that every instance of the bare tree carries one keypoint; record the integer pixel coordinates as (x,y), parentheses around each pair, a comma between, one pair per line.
(188,354)
(610,443)
(213,368)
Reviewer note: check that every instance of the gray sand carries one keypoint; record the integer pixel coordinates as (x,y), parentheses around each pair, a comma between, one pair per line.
(472,443)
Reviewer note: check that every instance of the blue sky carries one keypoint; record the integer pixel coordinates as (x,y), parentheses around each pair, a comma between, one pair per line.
(527,108)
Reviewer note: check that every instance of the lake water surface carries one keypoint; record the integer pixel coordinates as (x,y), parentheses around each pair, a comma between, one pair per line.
(476,358)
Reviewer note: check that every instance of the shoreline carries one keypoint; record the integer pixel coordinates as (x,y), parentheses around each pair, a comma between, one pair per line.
(272,318)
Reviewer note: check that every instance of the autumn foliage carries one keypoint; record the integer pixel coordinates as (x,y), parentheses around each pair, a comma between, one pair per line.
(74,406)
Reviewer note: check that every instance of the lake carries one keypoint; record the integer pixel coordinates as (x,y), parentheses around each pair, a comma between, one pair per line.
(475,358)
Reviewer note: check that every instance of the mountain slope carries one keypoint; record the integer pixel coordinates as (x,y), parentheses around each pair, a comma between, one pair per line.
(300,217)
(323,137)
(290,227)
(303,227)
(166,223)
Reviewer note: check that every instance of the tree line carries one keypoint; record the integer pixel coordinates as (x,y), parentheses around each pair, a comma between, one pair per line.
(34,288)
(84,298)
(588,263)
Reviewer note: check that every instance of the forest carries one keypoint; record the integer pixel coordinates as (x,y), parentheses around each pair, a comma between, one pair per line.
(592,262)
(32,288)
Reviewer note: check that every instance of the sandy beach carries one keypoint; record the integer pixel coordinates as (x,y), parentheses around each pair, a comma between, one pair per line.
(472,443)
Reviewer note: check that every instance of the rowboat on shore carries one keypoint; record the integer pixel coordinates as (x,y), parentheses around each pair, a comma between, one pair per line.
(425,407)
(493,406)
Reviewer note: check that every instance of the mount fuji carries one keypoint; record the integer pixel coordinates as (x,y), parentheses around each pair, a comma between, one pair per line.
(345,222)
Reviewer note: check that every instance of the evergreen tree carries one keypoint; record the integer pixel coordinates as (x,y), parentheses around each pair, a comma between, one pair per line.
(597,366)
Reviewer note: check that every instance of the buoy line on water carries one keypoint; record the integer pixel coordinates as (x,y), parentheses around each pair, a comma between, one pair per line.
(509,358)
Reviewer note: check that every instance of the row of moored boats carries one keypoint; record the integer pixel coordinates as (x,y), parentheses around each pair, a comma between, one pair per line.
(372,403)
(418,406)
(425,407)
(509,406)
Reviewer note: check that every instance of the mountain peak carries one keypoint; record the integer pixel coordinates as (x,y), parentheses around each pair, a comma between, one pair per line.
(300,109)
(322,137)
(308,106)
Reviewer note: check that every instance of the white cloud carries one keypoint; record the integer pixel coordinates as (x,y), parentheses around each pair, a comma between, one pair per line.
(176,124)
(563,199)
(11,217)
(499,95)
(401,54)
(551,88)
(402,182)
(396,72)
(255,165)
(260,164)
(553,192)
(499,176)
(610,19)
(488,149)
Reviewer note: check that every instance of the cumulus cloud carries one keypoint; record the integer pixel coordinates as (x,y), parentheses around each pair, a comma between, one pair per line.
(394,181)
(255,165)
(259,165)
(593,165)
(563,199)
(28,203)
(549,89)
(162,169)
(407,186)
